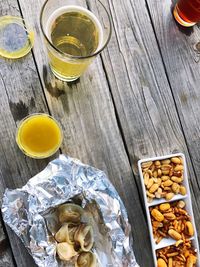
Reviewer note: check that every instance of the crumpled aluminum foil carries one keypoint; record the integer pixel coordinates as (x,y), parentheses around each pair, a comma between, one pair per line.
(29,211)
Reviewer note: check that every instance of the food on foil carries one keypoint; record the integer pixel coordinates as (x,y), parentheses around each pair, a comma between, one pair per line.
(84,237)
(74,236)
(65,251)
(86,259)
(66,233)
(70,215)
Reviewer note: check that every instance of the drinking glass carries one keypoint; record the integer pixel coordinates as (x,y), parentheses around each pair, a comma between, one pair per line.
(75,32)
(39,135)
(187,12)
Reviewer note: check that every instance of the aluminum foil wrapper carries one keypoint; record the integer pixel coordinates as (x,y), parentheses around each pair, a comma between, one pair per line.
(30,212)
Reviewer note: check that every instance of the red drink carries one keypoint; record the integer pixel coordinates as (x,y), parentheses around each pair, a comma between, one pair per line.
(187,12)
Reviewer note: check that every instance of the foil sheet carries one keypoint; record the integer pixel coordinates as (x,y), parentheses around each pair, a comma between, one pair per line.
(30,212)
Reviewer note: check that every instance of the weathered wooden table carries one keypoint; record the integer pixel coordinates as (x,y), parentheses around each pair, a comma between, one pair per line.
(140,98)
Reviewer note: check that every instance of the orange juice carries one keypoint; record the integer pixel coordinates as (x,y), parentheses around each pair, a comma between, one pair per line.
(39,136)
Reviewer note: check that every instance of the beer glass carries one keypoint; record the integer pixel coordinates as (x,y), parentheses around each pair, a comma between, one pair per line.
(187,12)
(75,32)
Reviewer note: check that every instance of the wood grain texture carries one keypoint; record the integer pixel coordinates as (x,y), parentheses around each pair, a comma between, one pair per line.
(6,258)
(180,50)
(91,133)
(141,91)
(20,95)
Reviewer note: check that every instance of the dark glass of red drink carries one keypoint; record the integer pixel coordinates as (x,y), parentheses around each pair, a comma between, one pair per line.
(187,12)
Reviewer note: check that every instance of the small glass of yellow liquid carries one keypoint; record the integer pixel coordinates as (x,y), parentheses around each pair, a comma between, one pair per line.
(75,32)
(39,135)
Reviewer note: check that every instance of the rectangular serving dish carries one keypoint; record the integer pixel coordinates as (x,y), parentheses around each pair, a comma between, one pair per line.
(187,199)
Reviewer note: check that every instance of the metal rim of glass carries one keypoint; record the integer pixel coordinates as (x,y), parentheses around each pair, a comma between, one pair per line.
(22,148)
(71,56)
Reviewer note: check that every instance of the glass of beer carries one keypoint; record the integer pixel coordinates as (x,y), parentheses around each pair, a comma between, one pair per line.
(187,12)
(75,32)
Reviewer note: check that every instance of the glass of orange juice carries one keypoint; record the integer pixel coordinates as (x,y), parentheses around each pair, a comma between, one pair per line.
(39,135)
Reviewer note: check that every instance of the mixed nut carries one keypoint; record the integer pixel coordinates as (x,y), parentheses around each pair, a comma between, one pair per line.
(163,178)
(181,255)
(75,239)
(171,220)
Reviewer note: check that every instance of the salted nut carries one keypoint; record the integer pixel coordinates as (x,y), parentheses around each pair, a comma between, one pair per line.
(65,251)
(86,259)
(173,256)
(163,178)
(171,220)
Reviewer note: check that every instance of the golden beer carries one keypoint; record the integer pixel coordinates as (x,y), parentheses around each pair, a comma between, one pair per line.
(75,33)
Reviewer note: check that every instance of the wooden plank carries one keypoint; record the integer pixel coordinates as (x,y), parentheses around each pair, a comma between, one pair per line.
(139,86)
(91,133)
(180,51)
(20,95)
(6,259)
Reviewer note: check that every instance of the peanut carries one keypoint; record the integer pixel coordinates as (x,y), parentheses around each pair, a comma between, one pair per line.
(150,195)
(169,196)
(161,263)
(150,183)
(157,163)
(175,188)
(164,207)
(165,178)
(176,160)
(146,178)
(158,195)
(181,204)
(182,190)
(178,168)
(158,216)
(165,167)
(165,161)
(155,173)
(153,188)
(146,164)
(159,172)
(174,234)
(189,228)
(170,216)
(167,183)
(177,179)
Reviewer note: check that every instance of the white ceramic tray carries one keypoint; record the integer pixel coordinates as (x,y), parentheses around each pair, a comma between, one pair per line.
(187,198)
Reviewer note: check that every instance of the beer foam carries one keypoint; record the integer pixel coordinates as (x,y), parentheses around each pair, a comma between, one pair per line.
(72,8)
